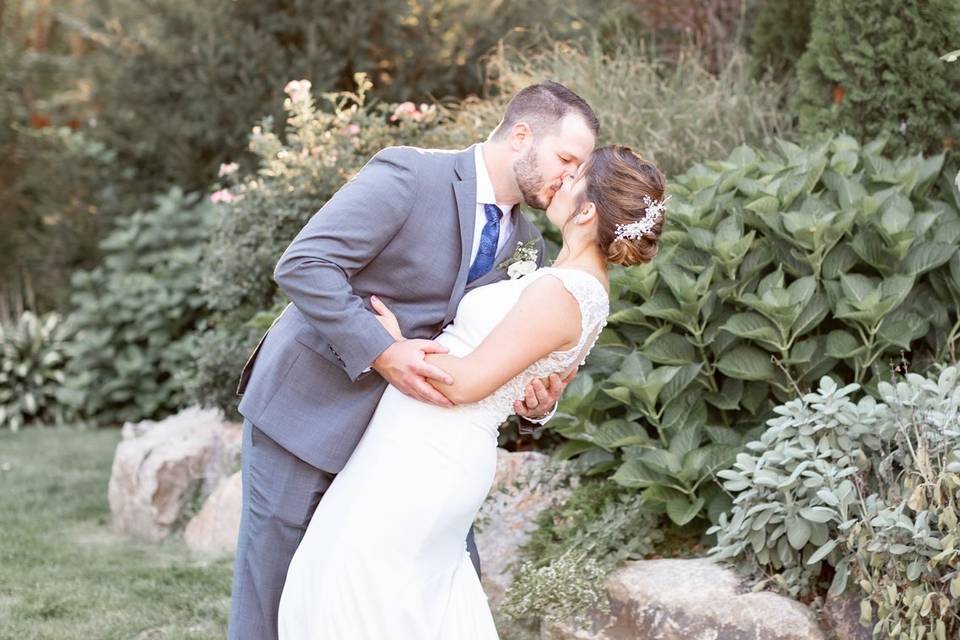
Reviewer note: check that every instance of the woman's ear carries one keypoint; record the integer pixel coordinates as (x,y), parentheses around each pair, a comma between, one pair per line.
(588,212)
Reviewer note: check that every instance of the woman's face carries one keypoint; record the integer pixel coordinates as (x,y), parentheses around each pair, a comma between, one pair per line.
(570,195)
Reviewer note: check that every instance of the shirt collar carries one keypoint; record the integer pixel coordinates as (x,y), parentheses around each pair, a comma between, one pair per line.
(485,192)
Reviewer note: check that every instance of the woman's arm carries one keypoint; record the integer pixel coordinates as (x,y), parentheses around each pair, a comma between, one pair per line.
(546,318)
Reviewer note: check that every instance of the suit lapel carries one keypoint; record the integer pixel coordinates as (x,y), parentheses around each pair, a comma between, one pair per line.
(465,189)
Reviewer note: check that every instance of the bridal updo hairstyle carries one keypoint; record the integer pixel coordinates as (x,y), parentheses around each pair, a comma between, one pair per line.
(617,181)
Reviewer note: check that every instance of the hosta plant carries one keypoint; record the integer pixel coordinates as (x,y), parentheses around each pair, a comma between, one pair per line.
(774,268)
(32,357)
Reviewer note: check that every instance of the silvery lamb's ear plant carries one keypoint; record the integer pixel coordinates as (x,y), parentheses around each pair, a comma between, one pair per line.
(871,488)
(796,493)
(773,267)
(32,356)
(905,546)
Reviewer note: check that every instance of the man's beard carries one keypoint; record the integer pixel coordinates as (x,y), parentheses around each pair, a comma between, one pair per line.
(530,180)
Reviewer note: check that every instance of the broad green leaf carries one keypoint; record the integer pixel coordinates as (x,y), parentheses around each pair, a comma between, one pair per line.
(842,344)
(747,363)
(671,348)
(927,256)
(681,510)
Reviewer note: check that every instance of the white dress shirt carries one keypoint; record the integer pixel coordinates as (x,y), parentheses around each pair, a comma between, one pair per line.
(485,195)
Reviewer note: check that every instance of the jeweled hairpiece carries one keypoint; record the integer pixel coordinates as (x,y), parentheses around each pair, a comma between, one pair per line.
(652,214)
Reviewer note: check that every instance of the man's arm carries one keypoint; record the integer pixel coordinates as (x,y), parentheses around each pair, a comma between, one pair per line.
(339,240)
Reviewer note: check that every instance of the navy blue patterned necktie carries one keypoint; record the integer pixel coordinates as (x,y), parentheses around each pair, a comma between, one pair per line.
(489,238)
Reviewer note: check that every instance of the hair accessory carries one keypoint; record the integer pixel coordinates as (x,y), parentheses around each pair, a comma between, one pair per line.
(652,214)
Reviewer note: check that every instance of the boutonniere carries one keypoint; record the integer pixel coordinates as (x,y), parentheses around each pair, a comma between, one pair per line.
(523,260)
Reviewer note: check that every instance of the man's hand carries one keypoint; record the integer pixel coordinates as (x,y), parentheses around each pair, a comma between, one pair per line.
(541,395)
(403,366)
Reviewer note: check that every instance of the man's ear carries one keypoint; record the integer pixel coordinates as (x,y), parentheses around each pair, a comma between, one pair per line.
(521,135)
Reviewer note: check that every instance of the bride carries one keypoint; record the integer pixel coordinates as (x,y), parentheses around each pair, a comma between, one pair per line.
(384,554)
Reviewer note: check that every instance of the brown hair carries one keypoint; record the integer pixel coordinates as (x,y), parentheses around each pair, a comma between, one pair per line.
(542,106)
(617,181)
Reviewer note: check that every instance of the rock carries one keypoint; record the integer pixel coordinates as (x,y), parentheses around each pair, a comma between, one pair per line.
(696,599)
(214,529)
(841,614)
(160,469)
(523,487)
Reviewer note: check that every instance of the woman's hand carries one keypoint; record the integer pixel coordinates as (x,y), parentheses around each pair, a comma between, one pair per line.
(386,318)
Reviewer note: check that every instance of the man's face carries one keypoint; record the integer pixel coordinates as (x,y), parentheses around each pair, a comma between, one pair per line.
(551,157)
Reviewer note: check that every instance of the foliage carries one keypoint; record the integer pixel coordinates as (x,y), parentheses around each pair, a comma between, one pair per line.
(673,112)
(574,547)
(773,267)
(133,311)
(32,358)
(50,169)
(181,82)
(779,34)
(906,543)
(872,69)
(870,489)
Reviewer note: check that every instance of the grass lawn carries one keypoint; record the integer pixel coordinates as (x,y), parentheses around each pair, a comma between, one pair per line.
(64,574)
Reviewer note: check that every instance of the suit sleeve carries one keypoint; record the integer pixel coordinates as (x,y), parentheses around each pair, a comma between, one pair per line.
(349,231)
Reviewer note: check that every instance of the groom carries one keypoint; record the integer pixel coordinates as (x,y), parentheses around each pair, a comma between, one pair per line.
(418,229)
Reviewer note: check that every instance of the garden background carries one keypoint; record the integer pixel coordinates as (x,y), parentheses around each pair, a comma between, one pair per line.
(156,157)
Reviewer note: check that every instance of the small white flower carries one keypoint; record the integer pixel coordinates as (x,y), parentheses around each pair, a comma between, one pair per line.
(521,268)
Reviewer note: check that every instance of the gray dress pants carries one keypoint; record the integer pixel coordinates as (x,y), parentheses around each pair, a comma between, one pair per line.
(280,494)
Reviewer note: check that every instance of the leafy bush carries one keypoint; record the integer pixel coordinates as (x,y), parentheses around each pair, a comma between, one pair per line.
(49,173)
(193,77)
(871,489)
(574,547)
(133,311)
(773,267)
(779,34)
(32,358)
(872,69)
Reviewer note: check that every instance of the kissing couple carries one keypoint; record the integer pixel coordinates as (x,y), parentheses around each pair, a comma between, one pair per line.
(372,404)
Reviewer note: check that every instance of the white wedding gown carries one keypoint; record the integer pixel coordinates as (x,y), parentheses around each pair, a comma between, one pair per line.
(384,556)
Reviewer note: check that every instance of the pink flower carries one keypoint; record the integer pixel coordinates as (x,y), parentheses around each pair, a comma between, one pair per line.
(353,128)
(298,90)
(227,169)
(223,195)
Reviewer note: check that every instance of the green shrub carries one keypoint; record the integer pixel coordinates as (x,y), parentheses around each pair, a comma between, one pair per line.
(133,311)
(575,546)
(773,267)
(872,69)
(871,489)
(181,82)
(779,33)
(32,358)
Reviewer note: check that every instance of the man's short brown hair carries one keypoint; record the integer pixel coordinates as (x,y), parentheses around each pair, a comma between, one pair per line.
(542,106)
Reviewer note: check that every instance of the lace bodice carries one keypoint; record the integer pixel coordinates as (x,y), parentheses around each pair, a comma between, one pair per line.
(483,308)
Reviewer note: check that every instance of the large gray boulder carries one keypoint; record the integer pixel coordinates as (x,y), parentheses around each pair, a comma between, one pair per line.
(694,599)
(161,470)
(526,484)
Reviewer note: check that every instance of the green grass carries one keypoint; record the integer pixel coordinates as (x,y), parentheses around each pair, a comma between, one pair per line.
(64,574)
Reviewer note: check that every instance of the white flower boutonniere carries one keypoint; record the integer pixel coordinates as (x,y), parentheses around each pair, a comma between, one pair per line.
(523,260)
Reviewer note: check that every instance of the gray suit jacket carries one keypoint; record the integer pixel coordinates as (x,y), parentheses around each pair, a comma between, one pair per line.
(402,229)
